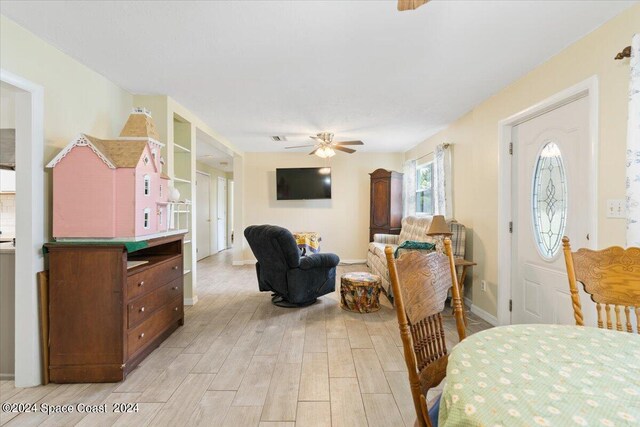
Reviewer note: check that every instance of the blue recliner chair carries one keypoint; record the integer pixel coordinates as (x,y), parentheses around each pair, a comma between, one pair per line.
(295,281)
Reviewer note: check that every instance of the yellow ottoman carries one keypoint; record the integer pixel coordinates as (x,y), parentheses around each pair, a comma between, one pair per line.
(360,292)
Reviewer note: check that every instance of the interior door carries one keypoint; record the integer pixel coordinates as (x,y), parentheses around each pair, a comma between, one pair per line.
(222,214)
(551,164)
(203,215)
(230,216)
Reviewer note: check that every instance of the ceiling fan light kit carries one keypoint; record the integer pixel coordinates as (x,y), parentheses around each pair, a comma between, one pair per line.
(326,147)
(325,152)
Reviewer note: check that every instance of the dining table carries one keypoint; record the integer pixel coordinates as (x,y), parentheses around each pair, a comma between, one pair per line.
(547,375)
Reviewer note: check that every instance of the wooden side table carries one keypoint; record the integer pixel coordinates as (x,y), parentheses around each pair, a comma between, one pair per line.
(465,264)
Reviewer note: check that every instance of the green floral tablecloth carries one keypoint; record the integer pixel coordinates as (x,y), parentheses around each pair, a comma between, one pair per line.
(549,375)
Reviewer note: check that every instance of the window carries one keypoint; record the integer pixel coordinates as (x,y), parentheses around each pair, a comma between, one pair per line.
(424,189)
(146,211)
(147,185)
(160,216)
(154,154)
(146,160)
(161,191)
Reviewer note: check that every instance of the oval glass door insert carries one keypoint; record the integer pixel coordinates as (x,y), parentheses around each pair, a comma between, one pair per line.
(549,200)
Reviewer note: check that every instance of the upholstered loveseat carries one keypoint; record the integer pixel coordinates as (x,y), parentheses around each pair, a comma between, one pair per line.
(414,228)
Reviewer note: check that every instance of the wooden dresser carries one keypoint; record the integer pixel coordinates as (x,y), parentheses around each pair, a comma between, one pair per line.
(104,318)
(386,202)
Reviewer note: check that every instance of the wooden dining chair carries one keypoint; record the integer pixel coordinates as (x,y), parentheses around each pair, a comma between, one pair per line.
(420,285)
(611,277)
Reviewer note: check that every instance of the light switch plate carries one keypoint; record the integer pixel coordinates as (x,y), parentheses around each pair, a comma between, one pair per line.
(616,208)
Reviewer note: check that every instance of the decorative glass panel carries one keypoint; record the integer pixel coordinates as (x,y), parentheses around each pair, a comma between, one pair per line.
(549,200)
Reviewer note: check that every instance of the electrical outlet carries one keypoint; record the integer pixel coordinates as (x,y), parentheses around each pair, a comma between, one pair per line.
(616,208)
(483,286)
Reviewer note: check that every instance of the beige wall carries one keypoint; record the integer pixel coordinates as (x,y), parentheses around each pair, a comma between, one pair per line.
(7,108)
(76,98)
(475,139)
(342,221)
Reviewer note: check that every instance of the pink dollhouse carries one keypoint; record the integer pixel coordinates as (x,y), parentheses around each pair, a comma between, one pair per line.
(111,189)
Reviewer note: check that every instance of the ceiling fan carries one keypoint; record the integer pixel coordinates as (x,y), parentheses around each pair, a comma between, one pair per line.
(410,4)
(325,147)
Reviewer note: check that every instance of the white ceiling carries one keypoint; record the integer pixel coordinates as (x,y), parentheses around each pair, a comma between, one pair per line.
(212,153)
(360,69)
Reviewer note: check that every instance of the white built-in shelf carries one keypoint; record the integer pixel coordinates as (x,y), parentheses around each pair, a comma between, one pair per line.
(187,272)
(184,181)
(181,148)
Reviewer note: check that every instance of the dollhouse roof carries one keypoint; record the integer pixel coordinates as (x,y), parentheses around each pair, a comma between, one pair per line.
(122,153)
(119,153)
(140,125)
(125,151)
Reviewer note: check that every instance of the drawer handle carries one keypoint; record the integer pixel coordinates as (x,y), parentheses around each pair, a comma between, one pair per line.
(175,267)
(141,284)
(175,309)
(175,288)
(141,309)
(141,336)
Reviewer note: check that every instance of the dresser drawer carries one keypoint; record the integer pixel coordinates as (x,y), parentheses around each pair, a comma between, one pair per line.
(143,307)
(155,276)
(158,322)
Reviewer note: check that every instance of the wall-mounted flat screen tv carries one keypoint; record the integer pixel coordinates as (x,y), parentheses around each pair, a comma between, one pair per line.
(303,183)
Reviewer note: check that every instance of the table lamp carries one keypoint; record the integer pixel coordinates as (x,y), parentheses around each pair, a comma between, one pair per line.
(439,229)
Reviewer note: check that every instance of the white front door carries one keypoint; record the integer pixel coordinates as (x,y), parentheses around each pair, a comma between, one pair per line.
(550,170)
(222,214)
(203,215)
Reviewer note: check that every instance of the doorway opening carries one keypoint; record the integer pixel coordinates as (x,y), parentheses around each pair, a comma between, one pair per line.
(203,215)
(214,164)
(29,224)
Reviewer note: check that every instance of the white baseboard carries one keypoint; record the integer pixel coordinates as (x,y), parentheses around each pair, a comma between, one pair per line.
(484,315)
(352,261)
(191,301)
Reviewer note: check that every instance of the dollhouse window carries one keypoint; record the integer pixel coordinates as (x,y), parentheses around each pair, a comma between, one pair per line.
(146,160)
(154,154)
(147,211)
(160,190)
(147,185)
(159,216)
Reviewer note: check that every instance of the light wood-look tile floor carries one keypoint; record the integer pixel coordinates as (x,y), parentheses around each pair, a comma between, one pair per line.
(240,361)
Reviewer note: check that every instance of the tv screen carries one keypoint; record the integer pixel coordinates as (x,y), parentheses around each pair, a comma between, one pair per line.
(303,183)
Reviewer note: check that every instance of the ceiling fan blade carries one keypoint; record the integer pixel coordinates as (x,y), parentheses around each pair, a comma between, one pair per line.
(349,143)
(344,149)
(314,151)
(410,4)
(300,146)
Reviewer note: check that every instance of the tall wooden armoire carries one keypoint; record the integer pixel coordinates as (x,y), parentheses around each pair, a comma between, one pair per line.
(386,202)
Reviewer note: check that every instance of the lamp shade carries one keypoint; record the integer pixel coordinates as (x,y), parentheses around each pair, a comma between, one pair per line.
(438,227)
